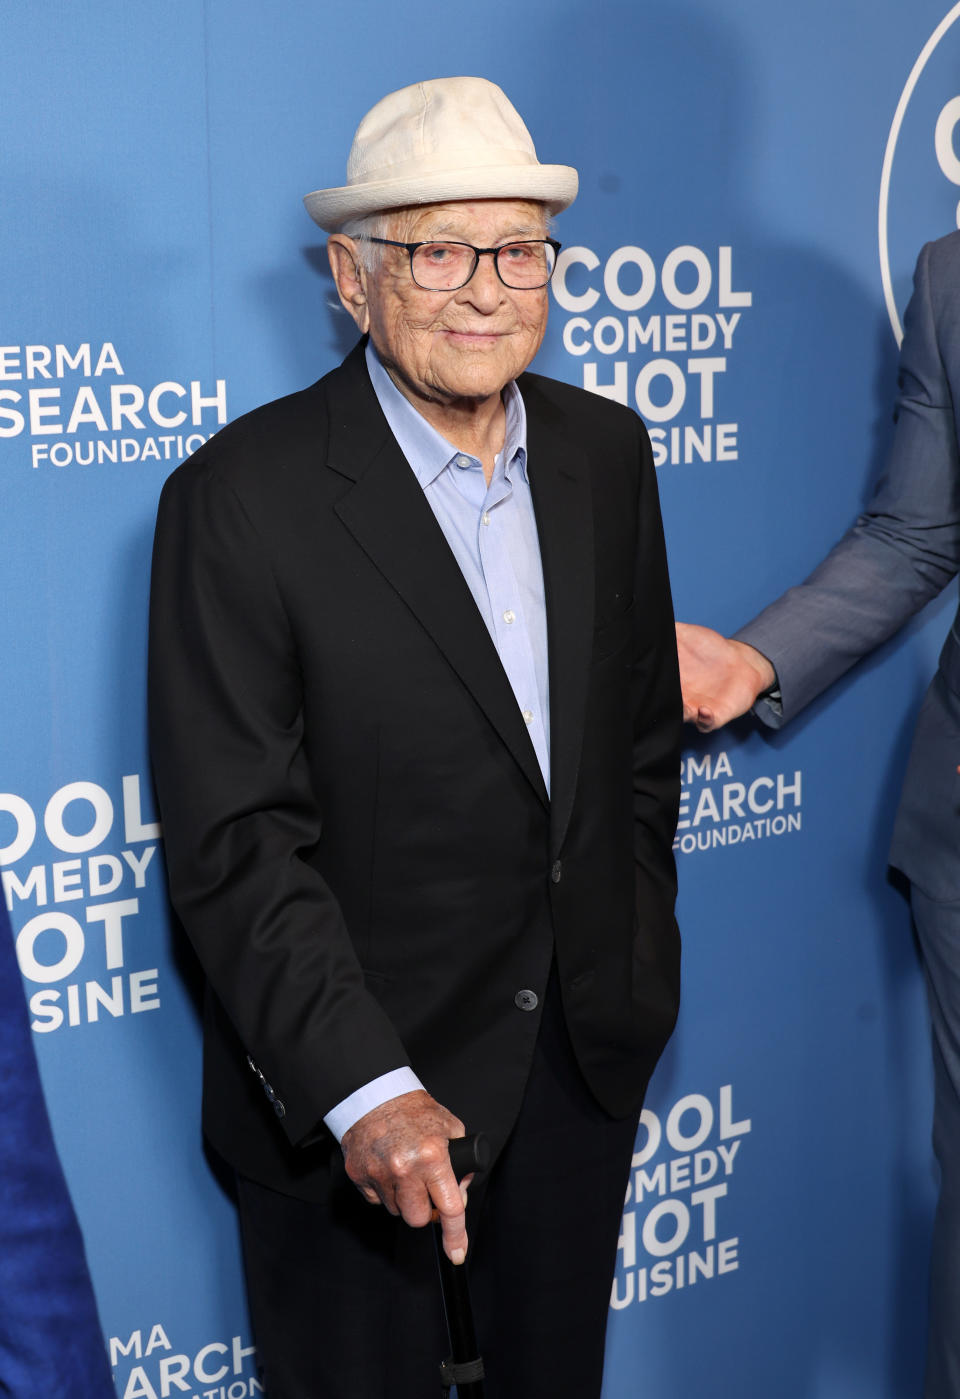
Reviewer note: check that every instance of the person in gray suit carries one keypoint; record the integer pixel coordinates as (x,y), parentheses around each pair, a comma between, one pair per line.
(899,554)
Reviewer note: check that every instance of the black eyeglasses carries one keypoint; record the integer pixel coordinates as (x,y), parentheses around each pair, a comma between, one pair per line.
(522,266)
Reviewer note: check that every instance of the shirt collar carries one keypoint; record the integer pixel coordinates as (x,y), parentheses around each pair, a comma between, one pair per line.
(427,451)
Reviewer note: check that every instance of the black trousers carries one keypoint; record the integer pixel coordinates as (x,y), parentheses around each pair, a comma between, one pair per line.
(345,1299)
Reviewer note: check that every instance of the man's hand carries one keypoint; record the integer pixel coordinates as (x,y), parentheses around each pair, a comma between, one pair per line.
(397,1155)
(720,678)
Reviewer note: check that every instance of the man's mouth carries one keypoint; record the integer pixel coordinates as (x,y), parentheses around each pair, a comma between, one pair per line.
(478,337)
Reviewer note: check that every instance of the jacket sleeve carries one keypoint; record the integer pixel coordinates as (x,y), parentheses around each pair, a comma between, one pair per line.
(241,821)
(657,706)
(657,711)
(50,1341)
(905,547)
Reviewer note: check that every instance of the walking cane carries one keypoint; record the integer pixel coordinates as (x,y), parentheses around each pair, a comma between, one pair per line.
(464,1367)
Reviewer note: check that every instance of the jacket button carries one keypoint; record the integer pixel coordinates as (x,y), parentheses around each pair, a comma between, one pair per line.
(556,872)
(279,1109)
(526,1000)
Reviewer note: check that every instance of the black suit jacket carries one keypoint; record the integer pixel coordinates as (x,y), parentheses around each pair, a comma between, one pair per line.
(359,841)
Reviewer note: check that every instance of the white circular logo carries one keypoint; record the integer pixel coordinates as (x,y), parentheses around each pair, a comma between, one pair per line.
(920,180)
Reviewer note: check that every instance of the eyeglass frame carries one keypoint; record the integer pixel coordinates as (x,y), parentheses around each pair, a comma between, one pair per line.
(478,253)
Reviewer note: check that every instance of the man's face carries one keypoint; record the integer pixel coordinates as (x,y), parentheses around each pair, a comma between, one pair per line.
(445,346)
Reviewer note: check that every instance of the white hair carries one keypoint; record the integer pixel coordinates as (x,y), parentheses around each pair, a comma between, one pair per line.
(370,226)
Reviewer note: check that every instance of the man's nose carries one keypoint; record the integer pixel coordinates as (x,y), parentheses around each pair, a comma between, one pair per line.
(485,288)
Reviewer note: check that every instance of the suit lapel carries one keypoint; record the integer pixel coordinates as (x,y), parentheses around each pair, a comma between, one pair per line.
(560,482)
(387,514)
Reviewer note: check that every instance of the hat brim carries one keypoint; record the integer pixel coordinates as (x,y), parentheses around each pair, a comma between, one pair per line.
(552,185)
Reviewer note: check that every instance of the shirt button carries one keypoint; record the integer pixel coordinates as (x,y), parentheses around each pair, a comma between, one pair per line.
(526,1000)
(528,716)
(485,517)
(463,461)
(509,616)
(556,871)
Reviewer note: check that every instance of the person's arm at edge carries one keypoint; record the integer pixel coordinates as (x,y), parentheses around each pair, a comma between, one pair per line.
(900,553)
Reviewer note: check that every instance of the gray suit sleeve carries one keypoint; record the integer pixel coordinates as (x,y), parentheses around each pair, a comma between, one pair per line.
(905,547)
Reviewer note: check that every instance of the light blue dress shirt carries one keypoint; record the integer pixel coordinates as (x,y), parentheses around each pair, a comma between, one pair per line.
(492,534)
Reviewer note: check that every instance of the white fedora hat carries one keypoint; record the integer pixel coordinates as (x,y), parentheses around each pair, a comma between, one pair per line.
(448,138)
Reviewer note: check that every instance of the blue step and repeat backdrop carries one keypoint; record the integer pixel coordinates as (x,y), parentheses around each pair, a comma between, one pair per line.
(756,182)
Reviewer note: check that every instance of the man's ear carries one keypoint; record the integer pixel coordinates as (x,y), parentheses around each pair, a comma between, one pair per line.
(350,278)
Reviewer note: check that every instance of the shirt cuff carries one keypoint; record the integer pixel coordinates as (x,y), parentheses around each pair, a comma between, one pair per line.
(769,707)
(372,1095)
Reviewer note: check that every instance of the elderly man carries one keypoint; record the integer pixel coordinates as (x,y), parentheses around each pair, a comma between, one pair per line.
(415,720)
